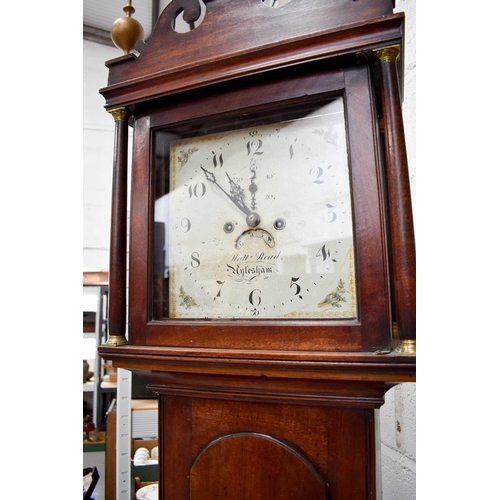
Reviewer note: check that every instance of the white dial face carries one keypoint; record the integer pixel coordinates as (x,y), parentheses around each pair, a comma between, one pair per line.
(259,224)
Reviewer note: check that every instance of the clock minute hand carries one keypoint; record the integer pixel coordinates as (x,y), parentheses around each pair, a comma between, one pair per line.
(211,178)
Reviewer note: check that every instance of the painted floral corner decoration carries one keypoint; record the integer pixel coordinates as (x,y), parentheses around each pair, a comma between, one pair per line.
(335,298)
(330,135)
(184,155)
(187,300)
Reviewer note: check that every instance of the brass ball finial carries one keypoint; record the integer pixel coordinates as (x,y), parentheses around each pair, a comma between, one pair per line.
(126,31)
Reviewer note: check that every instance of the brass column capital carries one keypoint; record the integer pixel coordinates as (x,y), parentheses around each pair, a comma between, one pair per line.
(387,54)
(119,114)
(407,348)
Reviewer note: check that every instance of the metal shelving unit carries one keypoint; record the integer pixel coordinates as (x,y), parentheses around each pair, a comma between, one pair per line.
(95,306)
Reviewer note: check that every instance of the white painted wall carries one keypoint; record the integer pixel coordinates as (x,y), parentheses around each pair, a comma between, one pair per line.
(98,137)
(398,415)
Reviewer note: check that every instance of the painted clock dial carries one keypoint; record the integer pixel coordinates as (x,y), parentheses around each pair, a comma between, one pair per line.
(258,221)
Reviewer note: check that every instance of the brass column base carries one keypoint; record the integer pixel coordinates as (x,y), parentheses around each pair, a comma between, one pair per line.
(116,340)
(407,348)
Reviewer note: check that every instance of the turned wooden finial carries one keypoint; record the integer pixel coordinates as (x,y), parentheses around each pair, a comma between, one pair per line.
(126,31)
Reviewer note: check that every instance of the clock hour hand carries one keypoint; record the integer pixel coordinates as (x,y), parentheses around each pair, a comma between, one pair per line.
(238,202)
(236,197)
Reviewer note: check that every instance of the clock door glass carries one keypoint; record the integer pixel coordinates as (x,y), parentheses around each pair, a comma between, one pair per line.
(255,220)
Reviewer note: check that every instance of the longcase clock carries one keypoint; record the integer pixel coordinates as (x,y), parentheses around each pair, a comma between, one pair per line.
(271,266)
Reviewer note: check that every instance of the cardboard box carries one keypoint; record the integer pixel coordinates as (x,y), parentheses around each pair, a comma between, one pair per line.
(144,418)
(149,444)
(110,467)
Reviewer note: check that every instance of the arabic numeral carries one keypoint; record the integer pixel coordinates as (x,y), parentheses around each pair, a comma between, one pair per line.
(323,252)
(330,214)
(254,297)
(197,190)
(195,260)
(317,173)
(217,160)
(221,283)
(186,225)
(295,287)
(254,146)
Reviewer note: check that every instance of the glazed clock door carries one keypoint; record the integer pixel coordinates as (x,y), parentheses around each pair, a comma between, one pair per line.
(263,215)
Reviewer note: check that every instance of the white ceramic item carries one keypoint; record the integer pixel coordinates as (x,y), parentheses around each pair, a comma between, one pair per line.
(149,492)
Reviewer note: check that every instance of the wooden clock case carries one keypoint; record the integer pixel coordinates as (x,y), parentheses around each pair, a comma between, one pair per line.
(268,409)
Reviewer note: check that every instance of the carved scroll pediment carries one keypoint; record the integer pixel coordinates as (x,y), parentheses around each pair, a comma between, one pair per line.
(225,39)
